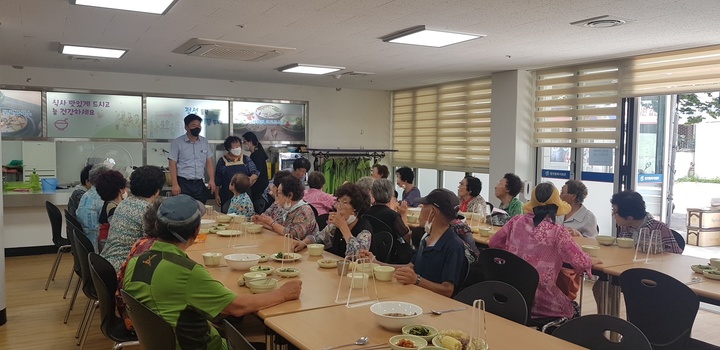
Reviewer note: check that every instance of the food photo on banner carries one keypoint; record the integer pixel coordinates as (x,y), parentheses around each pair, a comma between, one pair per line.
(270,121)
(20,114)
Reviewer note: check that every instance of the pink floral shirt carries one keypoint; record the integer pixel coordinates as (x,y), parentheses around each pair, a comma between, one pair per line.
(545,247)
(322,201)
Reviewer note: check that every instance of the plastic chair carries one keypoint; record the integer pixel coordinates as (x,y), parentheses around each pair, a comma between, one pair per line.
(83,247)
(63,244)
(500,299)
(381,244)
(73,229)
(105,282)
(662,307)
(503,266)
(679,239)
(152,330)
(235,339)
(590,332)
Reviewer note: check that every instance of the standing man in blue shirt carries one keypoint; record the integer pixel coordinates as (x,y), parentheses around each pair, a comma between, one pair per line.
(190,156)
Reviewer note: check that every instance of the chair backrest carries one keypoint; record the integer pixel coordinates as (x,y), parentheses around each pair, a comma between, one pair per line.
(73,228)
(235,339)
(500,299)
(152,330)
(662,307)
(503,266)
(679,239)
(591,332)
(83,247)
(56,219)
(322,221)
(381,244)
(105,282)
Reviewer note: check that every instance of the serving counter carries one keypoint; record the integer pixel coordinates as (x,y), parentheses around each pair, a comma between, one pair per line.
(27,227)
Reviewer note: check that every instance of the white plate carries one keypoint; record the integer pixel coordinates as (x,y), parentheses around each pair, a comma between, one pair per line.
(228,233)
(286,257)
(327,263)
(287,272)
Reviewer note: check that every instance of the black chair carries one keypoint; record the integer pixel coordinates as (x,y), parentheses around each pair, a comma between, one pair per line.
(500,299)
(105,282)
(62,244)
(322,221)
(662,307)
(152,330)
(381,245)
(83,247)
(503,266)
(679,239)
(235,339)
(315,212)
(73,229)
(591,332)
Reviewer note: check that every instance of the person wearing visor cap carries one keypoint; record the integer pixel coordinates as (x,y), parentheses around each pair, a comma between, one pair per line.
(545,244)
(182,291)
(439,263)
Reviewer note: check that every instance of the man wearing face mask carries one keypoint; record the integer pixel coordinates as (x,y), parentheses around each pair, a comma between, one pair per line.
(190,156)
(234,162)
(439,263)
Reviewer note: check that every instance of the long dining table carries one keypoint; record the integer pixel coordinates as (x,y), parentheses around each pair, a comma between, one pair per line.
(323,304)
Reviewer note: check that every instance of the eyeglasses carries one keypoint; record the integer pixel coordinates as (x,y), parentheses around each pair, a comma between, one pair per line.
(338,202)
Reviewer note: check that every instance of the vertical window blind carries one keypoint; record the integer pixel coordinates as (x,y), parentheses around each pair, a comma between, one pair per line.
(444,127)
(682,71)
(577,106)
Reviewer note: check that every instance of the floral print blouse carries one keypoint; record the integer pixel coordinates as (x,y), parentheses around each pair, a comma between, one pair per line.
(126,228)
(358,241)
(545,247)
(299,222)
(242,205)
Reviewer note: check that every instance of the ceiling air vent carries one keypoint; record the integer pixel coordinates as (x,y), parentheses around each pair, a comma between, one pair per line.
(229,50)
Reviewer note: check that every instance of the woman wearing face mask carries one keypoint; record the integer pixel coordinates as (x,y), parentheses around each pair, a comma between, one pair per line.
(297,219)
(251,144)
(233,162)
(347,231)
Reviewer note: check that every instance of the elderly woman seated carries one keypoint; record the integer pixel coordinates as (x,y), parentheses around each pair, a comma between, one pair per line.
(297,218)
(581,220)
(347,231)
(545,244)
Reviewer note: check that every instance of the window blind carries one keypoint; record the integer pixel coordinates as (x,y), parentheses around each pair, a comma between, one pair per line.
(577,106)
(682,71)
(443,127)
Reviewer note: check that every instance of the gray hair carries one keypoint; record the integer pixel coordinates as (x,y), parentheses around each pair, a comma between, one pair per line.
(365,183)
(383,191)
(95,172)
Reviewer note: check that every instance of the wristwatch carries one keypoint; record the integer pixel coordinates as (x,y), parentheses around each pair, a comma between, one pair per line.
(417,281)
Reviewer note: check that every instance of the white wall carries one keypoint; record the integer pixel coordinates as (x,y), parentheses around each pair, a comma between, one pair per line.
(349,118)
(706,148)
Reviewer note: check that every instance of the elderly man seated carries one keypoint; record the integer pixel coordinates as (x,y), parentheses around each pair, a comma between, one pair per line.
(181,290)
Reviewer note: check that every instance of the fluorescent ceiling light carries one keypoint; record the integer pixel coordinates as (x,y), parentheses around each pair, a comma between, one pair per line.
(309,69)
(91,51)
(158,7)
(422,36)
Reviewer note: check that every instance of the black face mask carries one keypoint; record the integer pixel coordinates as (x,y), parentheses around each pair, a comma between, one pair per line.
(195,131)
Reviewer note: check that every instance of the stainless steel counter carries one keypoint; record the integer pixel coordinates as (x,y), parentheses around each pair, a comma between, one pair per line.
(28,199)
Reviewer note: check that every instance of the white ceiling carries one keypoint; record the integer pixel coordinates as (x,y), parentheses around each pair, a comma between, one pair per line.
(521,34)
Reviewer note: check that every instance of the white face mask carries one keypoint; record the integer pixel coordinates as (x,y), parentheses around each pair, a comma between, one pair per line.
(236,151)
(428,225)
(351,219)
(124,195)
(287,205)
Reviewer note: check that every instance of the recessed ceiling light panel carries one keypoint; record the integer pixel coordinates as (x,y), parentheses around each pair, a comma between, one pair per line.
(158,7)
(309,69)
(422,36)
(91,51)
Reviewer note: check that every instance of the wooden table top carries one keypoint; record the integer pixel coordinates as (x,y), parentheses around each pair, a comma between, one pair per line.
(485,240)
(320,285)
(677,266)
(316,329)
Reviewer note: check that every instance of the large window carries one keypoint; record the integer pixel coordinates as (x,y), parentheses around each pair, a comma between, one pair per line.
(443,127)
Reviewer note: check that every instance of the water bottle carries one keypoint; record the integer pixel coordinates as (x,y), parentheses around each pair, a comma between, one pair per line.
(34,181)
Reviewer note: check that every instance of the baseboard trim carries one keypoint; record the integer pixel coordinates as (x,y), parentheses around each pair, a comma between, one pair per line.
(47,249)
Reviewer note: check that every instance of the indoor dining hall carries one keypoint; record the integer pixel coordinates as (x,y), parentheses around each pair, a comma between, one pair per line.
(395,174)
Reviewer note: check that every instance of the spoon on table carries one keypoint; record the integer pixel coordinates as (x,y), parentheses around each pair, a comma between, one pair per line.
(440,312)
(360,341)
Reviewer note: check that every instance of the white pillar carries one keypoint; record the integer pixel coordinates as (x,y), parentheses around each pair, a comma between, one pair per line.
(511,148)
